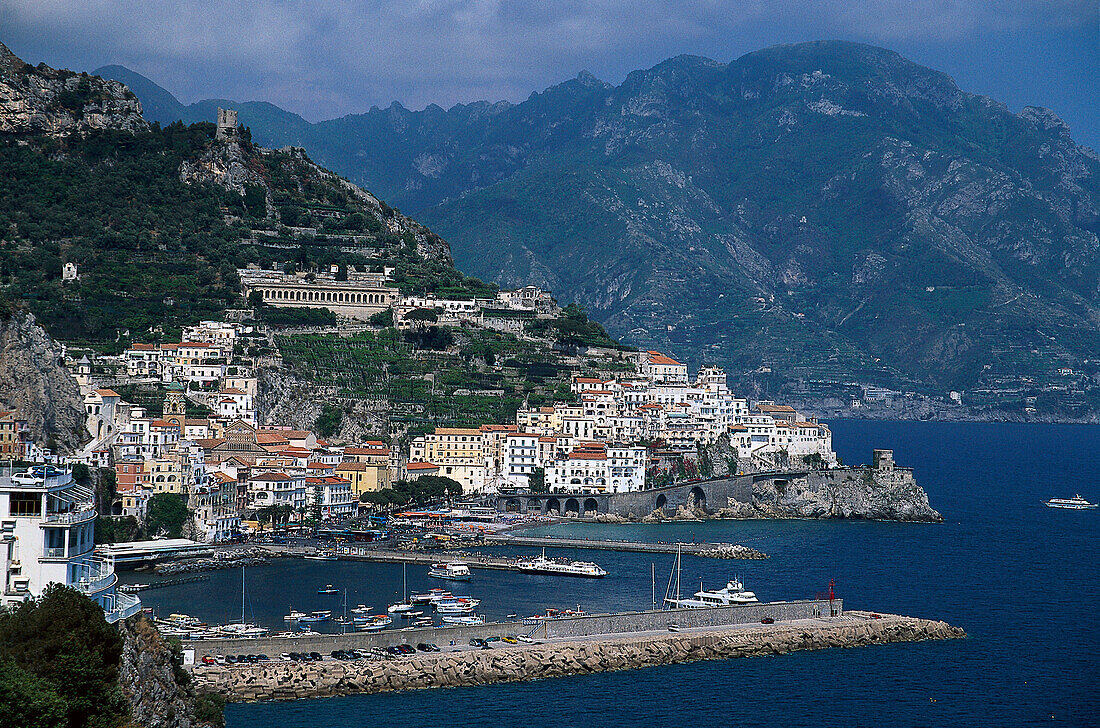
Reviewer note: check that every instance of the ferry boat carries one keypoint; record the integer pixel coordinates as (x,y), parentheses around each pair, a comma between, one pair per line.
(455,571)
(543,565)
(732,594)
(328,589)
(1076,503)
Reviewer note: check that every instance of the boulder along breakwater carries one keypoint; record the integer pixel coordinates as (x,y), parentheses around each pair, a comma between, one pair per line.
(521,662)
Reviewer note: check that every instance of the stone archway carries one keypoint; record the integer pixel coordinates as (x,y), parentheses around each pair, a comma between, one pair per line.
(534,504)
(572,506)
(662,501)
(553,505)
(591,505)
(512,505)
(697,499)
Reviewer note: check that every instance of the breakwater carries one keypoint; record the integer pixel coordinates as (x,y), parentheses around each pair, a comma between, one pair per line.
(512,663)
(713,550)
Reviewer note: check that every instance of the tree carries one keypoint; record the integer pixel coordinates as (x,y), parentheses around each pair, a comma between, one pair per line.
(328,422)
(536,483)
(315,504)
(27,701)
(63,639)
(166,515)
(383,319)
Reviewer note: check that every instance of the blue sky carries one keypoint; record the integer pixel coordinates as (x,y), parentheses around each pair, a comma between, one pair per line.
(343,56)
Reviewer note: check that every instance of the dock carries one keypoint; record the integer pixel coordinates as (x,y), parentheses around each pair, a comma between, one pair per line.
(392,556)
(641,547)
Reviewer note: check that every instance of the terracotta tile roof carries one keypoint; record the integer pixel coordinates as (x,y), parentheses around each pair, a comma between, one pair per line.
(232,390)
(209,444)
(107,393)
(366,451)
(144,347)
(345,467)
(656,357)
(269,477)
(774,408)
(421,466)
(270,438)
(589,380)
(456,431)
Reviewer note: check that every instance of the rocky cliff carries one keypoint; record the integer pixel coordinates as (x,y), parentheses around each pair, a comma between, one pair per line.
(859,494)
(157,688)
(35,384)
(44,100)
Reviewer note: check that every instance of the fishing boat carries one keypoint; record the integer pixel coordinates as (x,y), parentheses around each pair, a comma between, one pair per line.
(294,616)
(543,565)
(412,615)
(1076,503)
(361,609)
(465,620)
(315,617)
(375,624)
(455,571)
(328,589)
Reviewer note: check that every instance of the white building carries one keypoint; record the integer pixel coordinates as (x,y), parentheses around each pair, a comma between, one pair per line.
(47,536)
(276,489)
(594,468)
(333,494)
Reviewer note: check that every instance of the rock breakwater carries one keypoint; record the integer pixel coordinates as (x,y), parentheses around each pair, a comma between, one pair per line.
(289,681)
(222,560)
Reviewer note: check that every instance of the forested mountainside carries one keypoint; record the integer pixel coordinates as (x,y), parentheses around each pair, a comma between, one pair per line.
(157,220)
(813,216)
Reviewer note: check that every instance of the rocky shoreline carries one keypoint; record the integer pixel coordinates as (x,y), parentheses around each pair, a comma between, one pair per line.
(506,663)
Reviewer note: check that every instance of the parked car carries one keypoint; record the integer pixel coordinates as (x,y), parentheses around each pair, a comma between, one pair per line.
(208,659)
(509,639)
(767,620)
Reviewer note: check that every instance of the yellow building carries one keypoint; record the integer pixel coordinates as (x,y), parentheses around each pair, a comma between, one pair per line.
(364,477)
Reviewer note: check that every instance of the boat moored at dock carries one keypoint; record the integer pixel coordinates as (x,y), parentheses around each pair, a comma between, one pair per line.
(543,565)
(455,571)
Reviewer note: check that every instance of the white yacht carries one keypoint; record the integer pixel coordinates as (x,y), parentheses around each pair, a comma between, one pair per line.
(1076,503)
(455,571)
(732,594)
(543,565)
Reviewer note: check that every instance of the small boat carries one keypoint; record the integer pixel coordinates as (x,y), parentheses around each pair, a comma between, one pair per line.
(455,571)
(400,607)
(375,624)
(543,565)
(315,617)
(322,556)
(361,609)
(294,616)
(411,615)
(246,631)
(467,620)
(1076,503)
(328,589)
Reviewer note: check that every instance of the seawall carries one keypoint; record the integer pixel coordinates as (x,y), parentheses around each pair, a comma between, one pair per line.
(512,663)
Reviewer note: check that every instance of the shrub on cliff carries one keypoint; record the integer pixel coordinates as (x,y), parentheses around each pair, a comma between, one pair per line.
(62,640)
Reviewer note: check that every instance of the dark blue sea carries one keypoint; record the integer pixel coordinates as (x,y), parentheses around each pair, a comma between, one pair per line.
(1021,579)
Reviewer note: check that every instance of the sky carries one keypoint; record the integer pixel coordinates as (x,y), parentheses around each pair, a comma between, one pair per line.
(327,59)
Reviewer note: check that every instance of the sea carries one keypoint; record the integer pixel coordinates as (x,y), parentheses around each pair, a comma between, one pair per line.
(1023,580)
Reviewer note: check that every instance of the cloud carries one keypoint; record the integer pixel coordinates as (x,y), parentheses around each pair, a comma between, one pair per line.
(323,59)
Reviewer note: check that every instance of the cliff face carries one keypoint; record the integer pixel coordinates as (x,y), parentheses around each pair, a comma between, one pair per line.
(43,100)
(34,383)
(856,494)
(150,683)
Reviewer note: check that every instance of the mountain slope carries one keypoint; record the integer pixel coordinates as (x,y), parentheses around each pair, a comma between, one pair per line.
(158,220)
(810,216)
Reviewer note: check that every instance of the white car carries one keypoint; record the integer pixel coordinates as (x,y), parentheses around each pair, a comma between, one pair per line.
(27,478)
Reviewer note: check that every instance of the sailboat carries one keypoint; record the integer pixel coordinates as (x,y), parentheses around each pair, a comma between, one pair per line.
(404,605)
(244,629)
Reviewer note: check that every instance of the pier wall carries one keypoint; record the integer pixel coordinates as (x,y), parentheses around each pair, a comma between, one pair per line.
(512,663)
(565,627)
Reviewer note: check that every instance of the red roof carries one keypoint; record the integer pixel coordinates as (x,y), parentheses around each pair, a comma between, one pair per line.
(656,357)
(271,476)
(107,393)
(421,466)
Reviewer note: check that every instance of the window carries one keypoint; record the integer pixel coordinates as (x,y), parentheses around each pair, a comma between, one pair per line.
(25,504)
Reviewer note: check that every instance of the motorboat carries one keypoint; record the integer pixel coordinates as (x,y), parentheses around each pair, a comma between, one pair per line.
(457,605)
(361,609)
(294,616)
(243,631)
(400,607)
(732,594)
(375,624)
(315,617)
(412,615)
(455,571)
(470,620)
(543,565)
(1076,503)
(322,556)
(328,589)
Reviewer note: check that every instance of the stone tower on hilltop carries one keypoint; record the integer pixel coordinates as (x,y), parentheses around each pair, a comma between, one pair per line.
(227,124)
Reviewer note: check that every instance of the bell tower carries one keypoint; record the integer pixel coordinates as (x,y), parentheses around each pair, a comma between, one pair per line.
(175,406)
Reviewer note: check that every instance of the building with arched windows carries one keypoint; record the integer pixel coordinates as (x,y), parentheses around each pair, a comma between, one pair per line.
(360,296)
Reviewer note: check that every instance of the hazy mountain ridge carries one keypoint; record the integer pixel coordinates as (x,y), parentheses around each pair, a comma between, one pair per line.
(829,211)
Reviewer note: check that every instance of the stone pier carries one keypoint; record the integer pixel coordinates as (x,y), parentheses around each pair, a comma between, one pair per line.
(561,657)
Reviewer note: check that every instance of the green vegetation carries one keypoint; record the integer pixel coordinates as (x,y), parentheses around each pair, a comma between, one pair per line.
(423,490)
(573,329)
(166,515)
(59,664)
(484,377)
(328,422)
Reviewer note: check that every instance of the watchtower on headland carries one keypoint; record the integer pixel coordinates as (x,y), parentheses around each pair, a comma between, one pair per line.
(883,460)
(227,124)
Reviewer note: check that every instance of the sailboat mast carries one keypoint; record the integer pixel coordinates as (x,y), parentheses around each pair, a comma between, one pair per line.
(677,574)
(653,584)
(242,594)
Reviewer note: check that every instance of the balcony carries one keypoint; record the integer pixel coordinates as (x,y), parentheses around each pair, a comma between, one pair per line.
(69,518)
(95,576)
(121,606)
